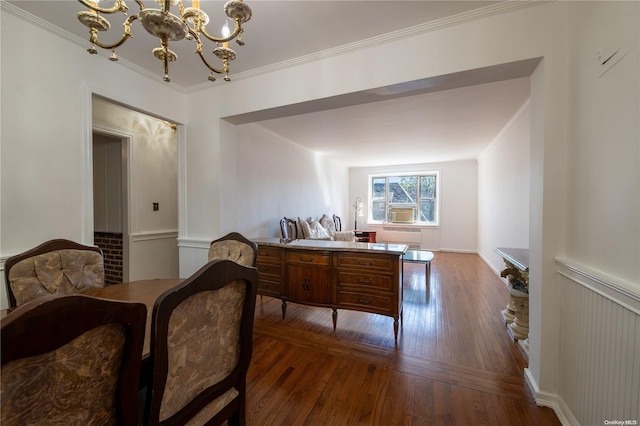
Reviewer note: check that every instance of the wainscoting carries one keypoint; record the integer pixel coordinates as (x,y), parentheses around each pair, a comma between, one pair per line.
(600,347)
(153,255)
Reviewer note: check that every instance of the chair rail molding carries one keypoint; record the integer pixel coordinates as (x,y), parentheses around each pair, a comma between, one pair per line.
(196,243)
(154,235)
(619,291)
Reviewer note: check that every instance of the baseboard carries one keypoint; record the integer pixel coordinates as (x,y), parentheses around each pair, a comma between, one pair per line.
(551,400)
(450,250)
(486,261)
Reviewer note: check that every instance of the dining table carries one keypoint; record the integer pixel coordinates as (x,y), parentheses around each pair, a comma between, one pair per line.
(141,291)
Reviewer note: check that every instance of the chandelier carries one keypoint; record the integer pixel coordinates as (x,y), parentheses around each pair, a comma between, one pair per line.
(161,23)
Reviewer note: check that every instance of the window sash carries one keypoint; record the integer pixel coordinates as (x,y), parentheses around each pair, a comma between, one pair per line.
(417,191)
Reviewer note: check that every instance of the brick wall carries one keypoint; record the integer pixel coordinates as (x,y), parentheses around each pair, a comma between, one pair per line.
(111,245)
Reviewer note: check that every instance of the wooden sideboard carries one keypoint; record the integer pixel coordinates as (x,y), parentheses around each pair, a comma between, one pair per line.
(334,274)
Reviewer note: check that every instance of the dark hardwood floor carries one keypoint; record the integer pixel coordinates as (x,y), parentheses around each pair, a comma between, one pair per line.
(455,363)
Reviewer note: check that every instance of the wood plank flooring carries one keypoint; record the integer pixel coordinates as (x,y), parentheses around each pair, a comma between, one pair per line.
(455,363)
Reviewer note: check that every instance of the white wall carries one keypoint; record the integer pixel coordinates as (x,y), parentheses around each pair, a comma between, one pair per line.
(604,140)
(282,179)
(503,190)
(263,178)
(457,230)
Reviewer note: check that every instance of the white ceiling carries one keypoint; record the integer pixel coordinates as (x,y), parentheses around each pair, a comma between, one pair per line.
(448,125)
(454,119)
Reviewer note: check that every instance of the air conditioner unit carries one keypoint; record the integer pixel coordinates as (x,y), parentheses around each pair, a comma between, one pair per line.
(402,215)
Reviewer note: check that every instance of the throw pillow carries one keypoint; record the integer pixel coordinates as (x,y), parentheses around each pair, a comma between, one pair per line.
(318,231)
(304,227)
(328,224)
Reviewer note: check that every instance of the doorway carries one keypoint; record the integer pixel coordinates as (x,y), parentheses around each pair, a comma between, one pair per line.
(110,231)
(135,189)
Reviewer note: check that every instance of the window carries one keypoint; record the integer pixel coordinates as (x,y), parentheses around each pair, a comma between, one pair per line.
(404,199)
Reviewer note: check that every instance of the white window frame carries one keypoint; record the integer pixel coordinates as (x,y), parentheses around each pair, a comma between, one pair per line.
(416,204)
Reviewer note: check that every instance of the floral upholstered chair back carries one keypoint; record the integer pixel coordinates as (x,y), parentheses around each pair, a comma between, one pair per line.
(54,267)
(58,370)
(201,346)
(235,247)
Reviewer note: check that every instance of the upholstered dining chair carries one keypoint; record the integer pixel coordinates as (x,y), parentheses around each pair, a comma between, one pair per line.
(236,247)
(54,267)
(72,360)
(201,345)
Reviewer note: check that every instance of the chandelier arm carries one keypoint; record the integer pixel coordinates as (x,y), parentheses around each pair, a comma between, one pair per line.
(140,4)
(118,6)
(236,31)
(198,51)
(225,68)
(125,35)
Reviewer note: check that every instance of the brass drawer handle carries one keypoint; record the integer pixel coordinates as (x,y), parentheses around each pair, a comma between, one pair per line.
(365,301)
(364,263)
(306,259)
(363,281)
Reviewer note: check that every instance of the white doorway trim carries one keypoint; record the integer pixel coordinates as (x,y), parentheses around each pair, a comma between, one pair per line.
(87,93)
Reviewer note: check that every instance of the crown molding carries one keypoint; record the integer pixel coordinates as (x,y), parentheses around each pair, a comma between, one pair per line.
(491,10)
(82,42)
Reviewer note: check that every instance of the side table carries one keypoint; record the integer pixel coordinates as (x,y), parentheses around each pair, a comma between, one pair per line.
(365,236)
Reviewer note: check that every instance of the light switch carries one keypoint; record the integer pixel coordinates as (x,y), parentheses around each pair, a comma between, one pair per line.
(156,207)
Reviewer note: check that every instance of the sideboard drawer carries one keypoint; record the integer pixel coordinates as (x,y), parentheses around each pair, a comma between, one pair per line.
(269,288)
(376,303)
(308,258)
(272,269)
(365,281)
(269,254)
(377,262)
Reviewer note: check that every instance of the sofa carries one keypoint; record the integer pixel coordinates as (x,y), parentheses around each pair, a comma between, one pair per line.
(325,228)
